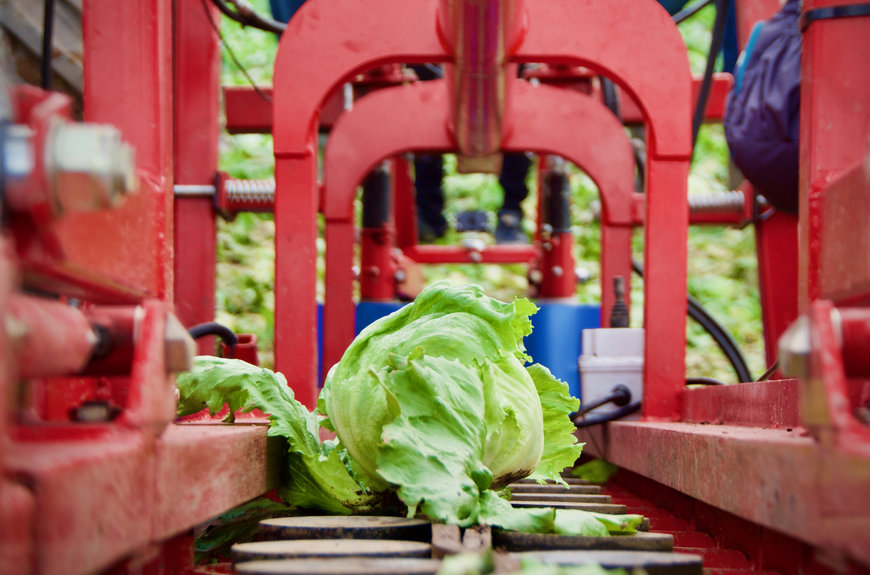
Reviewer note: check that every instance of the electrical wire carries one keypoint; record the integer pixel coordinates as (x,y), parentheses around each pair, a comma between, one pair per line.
(704,381)
(687,13)
(47,35)
(606,417)
(245,15)
(770,371)
(719,334)
(706,84)
(213,328)
(232,54)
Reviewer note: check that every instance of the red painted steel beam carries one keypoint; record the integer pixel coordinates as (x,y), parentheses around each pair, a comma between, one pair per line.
(92,500)
(247,112)
(776,245)
(129,88)
(201,470)
(768,404)
(196,129)
(776,478)
(17,520)
(714,112)
(834,127)
(666,105)
(497,254)
(100,500)
(358,39)
(844,273)
(54,338)
(408,36)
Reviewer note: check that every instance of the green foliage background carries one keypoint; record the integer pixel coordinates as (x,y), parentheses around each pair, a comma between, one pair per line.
(722,264)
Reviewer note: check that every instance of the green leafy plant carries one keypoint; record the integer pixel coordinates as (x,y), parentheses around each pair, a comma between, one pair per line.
(434,411)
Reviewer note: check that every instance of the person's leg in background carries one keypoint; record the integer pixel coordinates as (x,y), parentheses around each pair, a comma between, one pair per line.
(514,169)
(428,173)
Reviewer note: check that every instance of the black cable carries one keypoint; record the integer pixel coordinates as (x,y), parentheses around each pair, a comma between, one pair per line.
(687,13)
(619,396)
(247,16)
(704,381)
(707,82)
(770,371)
(214,328)
(47,34)
(235,60)
(609,416)
(610,96)
(719,334)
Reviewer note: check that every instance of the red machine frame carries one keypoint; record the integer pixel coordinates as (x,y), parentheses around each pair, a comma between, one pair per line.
(790,458)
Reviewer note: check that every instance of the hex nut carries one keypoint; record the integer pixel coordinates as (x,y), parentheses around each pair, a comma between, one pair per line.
(179,347)
(794,349)
(89,167)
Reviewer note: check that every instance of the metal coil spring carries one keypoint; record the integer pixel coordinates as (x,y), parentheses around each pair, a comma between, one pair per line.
(716,202)
(250,191)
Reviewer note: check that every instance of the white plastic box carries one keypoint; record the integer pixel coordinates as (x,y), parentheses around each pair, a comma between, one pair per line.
(611,356)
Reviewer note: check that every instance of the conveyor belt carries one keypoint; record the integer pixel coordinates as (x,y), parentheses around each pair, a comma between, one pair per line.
(320,544)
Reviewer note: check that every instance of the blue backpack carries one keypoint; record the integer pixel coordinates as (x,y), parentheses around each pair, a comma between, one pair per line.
(762,117)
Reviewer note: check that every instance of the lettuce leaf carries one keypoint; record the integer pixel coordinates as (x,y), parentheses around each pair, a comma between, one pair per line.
(318,477)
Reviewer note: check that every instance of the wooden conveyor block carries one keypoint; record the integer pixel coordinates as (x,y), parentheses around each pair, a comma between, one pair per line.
(514,541)
(654,563)
(346,527)
(560,498)
(594,507)
(555,488)
(355,566)
(328,548)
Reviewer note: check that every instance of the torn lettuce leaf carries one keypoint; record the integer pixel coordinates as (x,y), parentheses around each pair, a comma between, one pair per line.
(317,477)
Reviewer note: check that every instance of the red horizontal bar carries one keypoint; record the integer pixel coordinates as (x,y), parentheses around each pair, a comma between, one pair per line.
(763,404)
(249,112)
(715,111)
(783,480)
(504,254)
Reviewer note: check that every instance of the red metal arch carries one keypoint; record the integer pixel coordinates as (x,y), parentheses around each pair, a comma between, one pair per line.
(329,40)
(548,120)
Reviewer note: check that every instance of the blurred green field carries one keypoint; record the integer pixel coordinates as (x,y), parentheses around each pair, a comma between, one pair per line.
(722,265)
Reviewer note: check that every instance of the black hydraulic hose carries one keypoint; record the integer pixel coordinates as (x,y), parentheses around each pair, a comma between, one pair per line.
(610,96)
(245,15)
(47,35)
(719,334)
(605,417)
(690,11)
(214,328)
(707,82)
(619,396)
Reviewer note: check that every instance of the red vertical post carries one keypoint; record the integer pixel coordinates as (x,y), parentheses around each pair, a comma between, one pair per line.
(338,309)
(835,121)
(128,83)
(295,272)
(776,245)
(665,287)
(196,132)
(404,203)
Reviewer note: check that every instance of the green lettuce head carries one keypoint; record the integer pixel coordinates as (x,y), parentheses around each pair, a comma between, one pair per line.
(440,388)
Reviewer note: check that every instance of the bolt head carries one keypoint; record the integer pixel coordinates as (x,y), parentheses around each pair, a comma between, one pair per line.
(89,167)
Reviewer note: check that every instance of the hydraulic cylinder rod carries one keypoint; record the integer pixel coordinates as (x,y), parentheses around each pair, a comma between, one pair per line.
(480,34)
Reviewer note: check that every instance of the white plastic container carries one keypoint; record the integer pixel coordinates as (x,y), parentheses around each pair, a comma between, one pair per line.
(611,356)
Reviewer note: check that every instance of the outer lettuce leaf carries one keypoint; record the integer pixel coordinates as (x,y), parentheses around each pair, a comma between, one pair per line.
(432,449)
(499,512)
(561,449)
(457,323)
(318,477)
